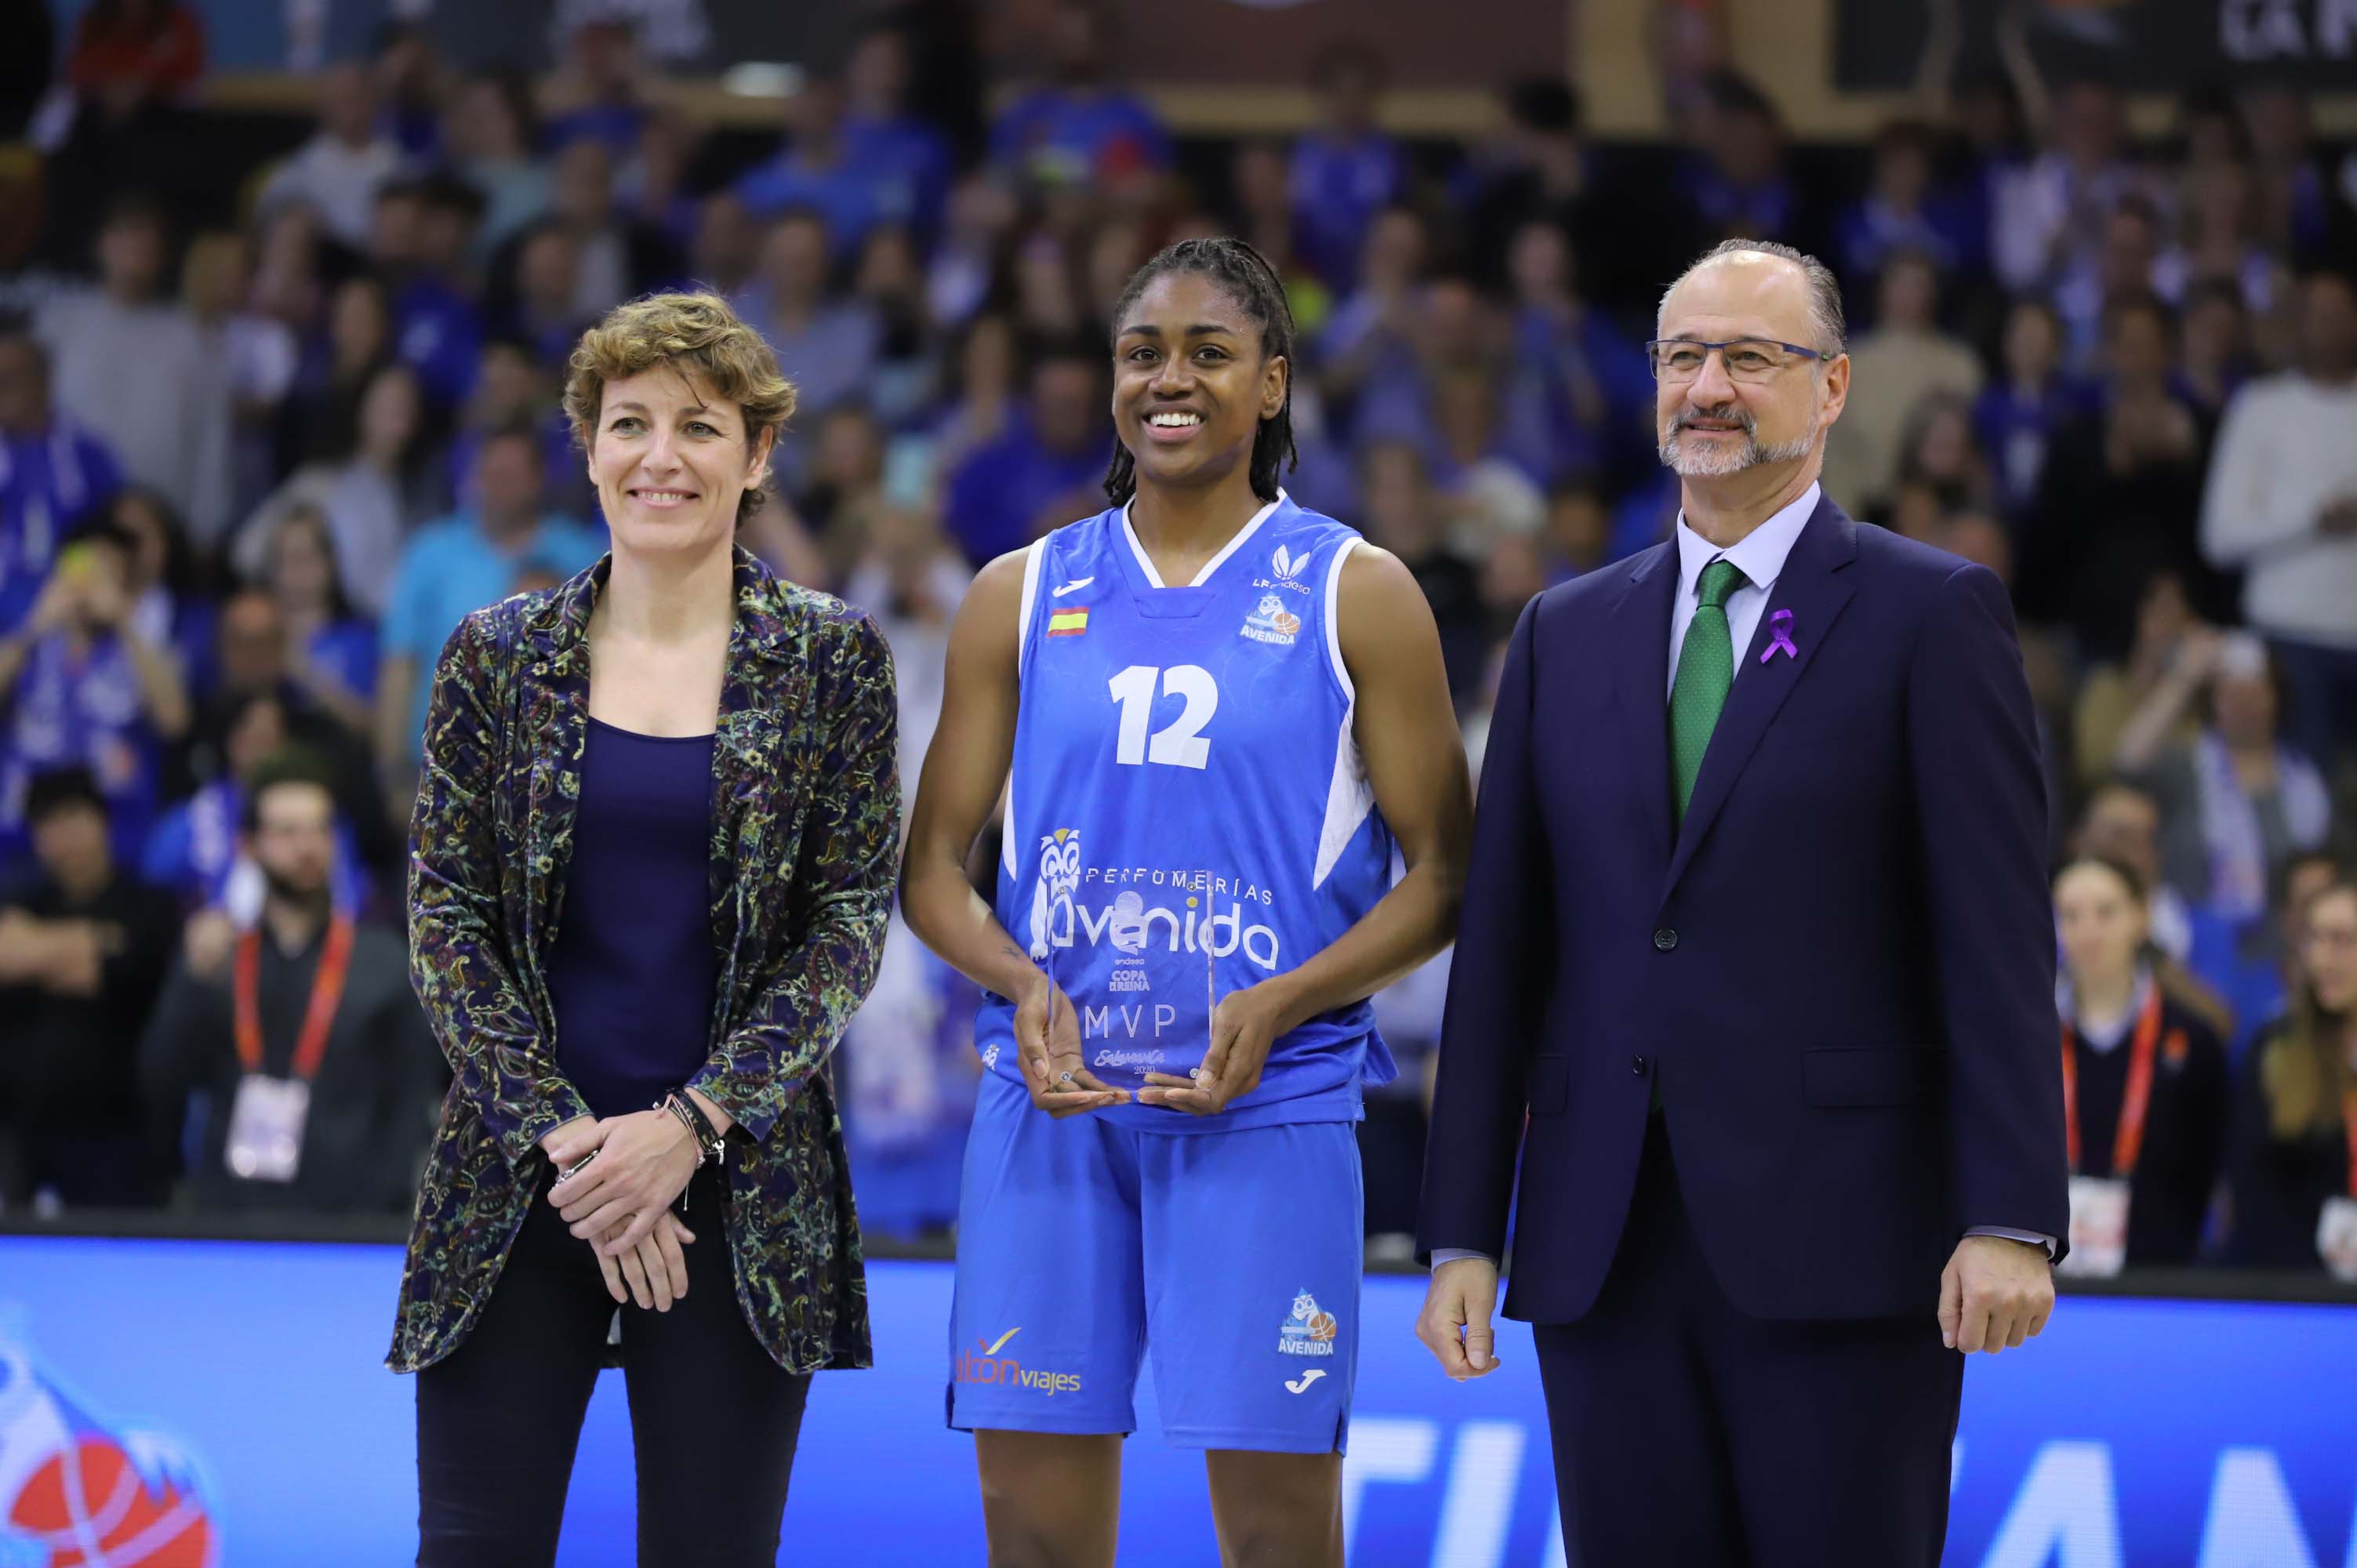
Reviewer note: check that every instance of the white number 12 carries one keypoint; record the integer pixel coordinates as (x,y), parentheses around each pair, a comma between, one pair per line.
(1179,744)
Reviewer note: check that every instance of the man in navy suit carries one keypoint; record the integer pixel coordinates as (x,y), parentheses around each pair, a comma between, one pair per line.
(1757,970)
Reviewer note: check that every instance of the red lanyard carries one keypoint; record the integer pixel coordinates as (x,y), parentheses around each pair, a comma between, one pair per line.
(326,991)
(2127,1142)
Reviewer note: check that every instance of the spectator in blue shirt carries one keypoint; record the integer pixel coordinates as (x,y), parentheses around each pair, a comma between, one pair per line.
(826,348)
(194,852)
(1044,471)
(438,327)
(468,560)
(1368,340)
(81,686)
(905,154)
(1575,372)
(512,388)
(332,649)
(816,170)
(409,76)
(1345,168)
(2016,415)
(1903,210)
(536,297)
(1079,131)
(1736,173)
(52,473)
(595,91)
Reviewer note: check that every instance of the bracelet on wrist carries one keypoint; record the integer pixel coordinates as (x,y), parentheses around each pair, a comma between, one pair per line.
(706,1136)
(679,1112)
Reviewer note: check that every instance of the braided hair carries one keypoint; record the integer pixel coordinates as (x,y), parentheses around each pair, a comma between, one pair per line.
(1248,279)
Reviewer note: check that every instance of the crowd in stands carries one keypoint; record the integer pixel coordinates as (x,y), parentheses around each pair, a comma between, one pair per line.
(255,465)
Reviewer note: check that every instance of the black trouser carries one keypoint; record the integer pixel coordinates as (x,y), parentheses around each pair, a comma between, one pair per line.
(713,1419)
(1686,1432)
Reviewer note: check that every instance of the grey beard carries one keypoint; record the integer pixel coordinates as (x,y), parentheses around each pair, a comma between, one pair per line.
(1713,462)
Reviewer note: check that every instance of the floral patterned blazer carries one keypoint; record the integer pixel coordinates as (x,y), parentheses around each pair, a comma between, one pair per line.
(805,852)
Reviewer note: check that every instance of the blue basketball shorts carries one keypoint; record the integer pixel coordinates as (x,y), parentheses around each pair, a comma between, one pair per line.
(1233,1258)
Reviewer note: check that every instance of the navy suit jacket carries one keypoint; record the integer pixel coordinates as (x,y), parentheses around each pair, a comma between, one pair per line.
(1841,968)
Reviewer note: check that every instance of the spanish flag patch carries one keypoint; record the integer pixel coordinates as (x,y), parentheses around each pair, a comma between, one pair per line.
(1067,623)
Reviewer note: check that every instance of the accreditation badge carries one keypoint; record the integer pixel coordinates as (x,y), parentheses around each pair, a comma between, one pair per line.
(2098,1227)
(265,1127)
(2336,1238)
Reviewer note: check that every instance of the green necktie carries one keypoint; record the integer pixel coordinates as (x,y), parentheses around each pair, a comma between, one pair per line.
(1706,670)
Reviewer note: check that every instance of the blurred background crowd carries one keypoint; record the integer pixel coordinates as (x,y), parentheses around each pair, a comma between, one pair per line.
(278,407)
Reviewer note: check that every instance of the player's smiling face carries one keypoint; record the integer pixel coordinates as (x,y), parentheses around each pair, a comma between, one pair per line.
(670,461)
(1191,382)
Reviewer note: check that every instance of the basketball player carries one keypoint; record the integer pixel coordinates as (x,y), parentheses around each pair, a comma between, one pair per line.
(1216,715)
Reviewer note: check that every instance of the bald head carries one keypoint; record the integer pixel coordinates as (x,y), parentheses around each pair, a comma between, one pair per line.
(1763,276)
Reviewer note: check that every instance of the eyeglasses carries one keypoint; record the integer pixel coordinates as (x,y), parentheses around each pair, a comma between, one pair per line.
(1745,358)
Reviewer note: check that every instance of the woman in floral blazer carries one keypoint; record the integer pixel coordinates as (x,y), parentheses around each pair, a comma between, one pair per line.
(660,1035)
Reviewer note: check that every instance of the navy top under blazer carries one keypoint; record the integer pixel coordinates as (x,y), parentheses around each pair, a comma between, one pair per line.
(630,977)
(1841,969)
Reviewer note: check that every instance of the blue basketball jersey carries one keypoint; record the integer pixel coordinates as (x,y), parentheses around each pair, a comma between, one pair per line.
(1187,814)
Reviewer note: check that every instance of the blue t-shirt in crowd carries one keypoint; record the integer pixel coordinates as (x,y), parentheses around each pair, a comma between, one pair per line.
(1338,188)
(2015,430)
(81,709)
(997,494)
(48,482)
(347,650)
(906,161)
(193,852)
(438,333)
(632,974)
(1079,138)
(840,192)
(449,569)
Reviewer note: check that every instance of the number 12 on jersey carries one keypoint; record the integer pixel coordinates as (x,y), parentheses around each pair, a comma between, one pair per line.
(1180,743)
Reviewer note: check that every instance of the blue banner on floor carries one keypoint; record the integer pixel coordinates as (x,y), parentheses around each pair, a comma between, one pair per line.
(178,1405)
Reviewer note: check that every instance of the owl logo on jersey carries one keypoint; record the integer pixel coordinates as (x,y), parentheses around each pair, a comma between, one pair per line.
(1051,897)
(1308,1332)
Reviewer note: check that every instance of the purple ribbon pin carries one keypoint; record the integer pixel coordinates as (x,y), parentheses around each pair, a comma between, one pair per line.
(1780,635)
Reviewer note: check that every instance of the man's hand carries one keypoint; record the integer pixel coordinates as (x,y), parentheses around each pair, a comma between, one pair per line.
(1244,1025)
(1994,1292)
(2338,517)
(1455,1324)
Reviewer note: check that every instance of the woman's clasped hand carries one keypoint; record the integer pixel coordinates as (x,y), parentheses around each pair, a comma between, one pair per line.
(621,1176)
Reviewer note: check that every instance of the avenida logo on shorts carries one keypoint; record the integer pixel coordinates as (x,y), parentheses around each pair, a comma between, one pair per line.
(1308,1332)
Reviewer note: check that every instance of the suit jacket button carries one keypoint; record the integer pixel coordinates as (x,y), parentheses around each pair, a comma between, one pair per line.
(1637,1066)
(1666,938)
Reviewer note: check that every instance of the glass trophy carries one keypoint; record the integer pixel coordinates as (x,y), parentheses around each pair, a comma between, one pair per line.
(1139,966)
